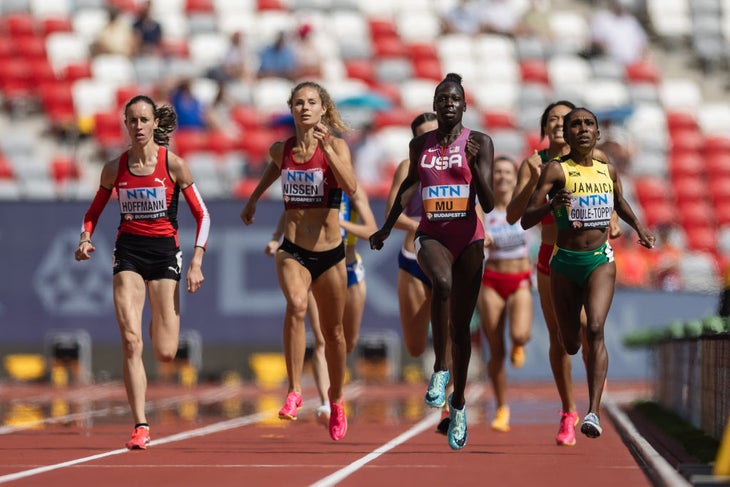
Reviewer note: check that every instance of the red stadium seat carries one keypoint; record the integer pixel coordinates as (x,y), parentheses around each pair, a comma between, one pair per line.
(77,71)
(126,93)
(187,141)
(108,130)
(722,212)
(534,71)
(719,188)
(363,69)
(64,169)
(679,120)
(391,91)
(651,189)
(683,140)
(696,213)
(41,73)
(658,212)
(533,141)
(57,102)
(398,117)
(271,5)
(30,47)
(686,164)
(642,72)
(20,24)
(701,238)
(717,145)
(15,78)
(428,69)
(6,170)
(7,47)
(388,46)
(718,165)
(128,6)
(49,25)
(255,144)
(499,120)
(382,27)
(688,189)
(422,51)
(219,142)
(244,187)
(198,6)
(246,117)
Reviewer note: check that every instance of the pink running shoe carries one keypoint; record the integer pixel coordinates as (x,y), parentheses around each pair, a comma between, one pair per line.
(566,433)
(292,403)
(140,438)
(338,420)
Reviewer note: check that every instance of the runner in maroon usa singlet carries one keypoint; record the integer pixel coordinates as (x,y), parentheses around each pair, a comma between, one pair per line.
(453,166)
(147,258)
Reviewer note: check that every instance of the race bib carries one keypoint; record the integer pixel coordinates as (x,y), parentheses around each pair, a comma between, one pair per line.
(445,202)
(302,187)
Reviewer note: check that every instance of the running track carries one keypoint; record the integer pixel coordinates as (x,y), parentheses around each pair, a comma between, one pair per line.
(229,435)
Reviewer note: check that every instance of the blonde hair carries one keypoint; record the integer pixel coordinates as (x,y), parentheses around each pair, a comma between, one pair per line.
(331,116)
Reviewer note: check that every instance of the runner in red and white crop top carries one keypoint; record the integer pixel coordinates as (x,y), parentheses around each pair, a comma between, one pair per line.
(310,184)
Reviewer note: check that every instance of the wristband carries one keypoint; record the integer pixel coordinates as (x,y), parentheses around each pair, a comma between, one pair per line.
(84,241)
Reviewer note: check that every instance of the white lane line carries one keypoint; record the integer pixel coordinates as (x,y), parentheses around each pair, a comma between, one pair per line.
(426,423)
(205,430)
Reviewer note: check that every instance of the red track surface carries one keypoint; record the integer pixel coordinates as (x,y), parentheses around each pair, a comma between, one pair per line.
(230,436)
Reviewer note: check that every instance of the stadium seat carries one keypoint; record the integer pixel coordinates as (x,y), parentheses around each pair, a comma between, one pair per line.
(534,71)
(393,69)
(689,189)
(388,47)
(219,142)
(422,51)
(6,170)
(683,140)
(428,69)
(701,238)
(696,213)
(717,165)
(716,145)
(714,118)
(682,120)
(416,95)
(76,71)
(398,117)
(186,141)
(686,164)
(113,69)
(498,119)
(719,188)
(30,47)
(20,24)
(651,189)
(658,212)
(207,50)
(680,94)
(246,117)
(108,130)
(722,211)
(64,168)
(570,31)
(88,22)
(57,103)
(418,25)
(66,48)
(255,145)
(642,72)
(41,73)
(604,94)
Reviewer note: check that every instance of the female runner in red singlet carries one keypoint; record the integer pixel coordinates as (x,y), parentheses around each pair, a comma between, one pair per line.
(148,179)
(315,169)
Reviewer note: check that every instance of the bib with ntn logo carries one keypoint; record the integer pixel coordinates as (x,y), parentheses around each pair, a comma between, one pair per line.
(591,203)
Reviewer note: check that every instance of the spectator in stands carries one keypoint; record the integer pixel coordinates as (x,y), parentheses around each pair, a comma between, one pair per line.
(191,113)
(309,57)
(501,16)
(238,63)
(581,194)
(617,33)
(219,115)
(535,21)
(148,31)
(116,37)
(463,18)
(278,59)
(369,156)
(665,273)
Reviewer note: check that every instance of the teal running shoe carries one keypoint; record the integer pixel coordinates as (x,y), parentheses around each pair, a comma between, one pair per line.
(436,393)
(457,434)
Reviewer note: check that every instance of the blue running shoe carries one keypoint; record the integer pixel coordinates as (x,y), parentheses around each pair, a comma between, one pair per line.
(591,426)
(457,427)
(436,393)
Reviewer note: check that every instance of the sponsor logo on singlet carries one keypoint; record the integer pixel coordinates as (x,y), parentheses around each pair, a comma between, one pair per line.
(304,187)
(143,203)
(445,202)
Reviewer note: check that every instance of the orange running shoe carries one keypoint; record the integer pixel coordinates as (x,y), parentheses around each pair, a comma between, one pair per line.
(338,420)
(566,433)
(501,420)
(292,403)
(140,438)
(518,356)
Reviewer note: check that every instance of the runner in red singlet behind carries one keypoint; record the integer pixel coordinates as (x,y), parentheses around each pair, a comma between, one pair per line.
(148,179)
